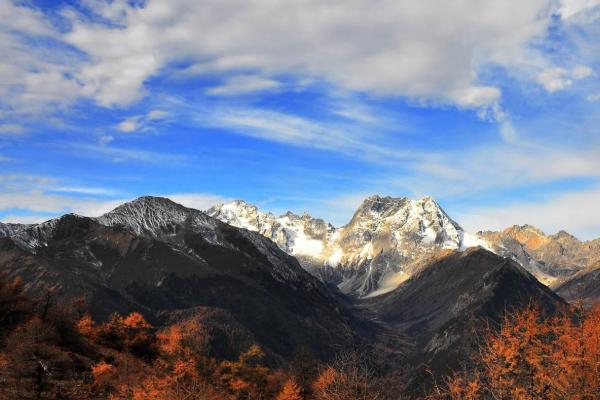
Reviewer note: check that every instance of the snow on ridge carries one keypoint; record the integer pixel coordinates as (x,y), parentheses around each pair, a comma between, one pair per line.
(373,251)
(296,235)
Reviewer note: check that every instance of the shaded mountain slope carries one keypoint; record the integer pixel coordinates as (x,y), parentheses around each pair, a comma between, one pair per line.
(585,285)
(159,257)
(443,306)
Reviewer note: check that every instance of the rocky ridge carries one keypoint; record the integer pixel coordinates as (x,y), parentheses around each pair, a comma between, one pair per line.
(386,240)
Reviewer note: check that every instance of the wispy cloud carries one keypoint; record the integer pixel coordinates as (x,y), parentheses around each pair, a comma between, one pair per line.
(498,167)
(31,198)
(557,79)
(12,129)
(43,194)
(97,191)
(576,212)
(345,138)
(119,155)
(198,201)
(140,123)
(243,84)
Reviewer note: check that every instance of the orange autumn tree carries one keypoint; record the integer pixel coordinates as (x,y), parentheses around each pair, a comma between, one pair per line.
(532,357)
(132,333)
(349,376)
(290,391)
(179,371)
(248,378)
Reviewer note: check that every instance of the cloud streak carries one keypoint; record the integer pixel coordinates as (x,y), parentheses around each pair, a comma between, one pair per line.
(30,198)
(576,212)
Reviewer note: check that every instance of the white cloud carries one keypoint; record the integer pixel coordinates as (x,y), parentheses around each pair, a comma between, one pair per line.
(26,219)
(41,201)
(243,84)
(119,154)
(500,167)
(557,79)
(432,52)
(129,124)
(42,194)
(12,129)
(593,97)
(508,133)
(34,79)
(85,190)
(39,198)
(581,72)
(569,8)
(105,139)
(554,80)
(157,115)
(141,122)
(576,212)
(198,201)
(352,139)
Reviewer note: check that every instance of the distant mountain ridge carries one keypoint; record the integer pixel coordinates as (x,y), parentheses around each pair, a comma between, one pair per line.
(553,259)
(388,239)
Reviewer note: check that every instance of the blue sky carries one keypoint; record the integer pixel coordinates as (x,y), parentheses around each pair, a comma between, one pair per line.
(491,107)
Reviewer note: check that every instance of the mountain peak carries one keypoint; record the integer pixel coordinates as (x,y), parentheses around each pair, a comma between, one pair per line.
(528,235)
(154,202)
(377,204)
(564,235)
(526,228)
(148,215)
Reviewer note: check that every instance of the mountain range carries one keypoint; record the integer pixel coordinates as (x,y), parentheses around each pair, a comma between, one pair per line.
(401,269)
(389,239)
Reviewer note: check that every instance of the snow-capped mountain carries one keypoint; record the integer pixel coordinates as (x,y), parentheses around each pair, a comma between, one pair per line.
(302,236)
(384,243)
(388,239)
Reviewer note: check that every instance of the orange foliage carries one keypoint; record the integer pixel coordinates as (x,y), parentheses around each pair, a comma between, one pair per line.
(135,320)
(349,377)
(87,327)
(246,378)
(290,391)
(535,358)
(103,373)
(169,340)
